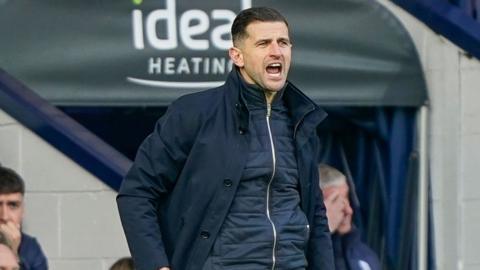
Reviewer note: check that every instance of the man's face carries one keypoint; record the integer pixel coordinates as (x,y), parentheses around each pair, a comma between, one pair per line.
(346,210)
(7,259)
(264,56)
(11,208)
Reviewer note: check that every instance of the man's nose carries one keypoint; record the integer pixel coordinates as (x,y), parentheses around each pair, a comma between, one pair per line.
(3,214)
(348,208)
(275,49)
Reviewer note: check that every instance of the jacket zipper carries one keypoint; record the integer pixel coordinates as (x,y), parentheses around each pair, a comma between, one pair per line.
(308,234)
(274,161)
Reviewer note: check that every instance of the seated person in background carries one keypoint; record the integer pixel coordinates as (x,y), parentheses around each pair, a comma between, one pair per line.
(12,190)
(349,252)
(8,260)
(123,264)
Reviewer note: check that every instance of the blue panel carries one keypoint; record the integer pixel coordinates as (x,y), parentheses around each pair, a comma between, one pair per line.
(448,20)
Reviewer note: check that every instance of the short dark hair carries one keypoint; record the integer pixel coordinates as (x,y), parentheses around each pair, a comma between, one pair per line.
(247,16)
(10,181)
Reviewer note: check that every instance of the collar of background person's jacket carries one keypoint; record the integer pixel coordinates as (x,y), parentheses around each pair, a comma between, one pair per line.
(352,236)
(298,104)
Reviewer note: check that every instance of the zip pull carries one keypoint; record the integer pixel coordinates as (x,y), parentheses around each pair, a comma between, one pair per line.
(269,109)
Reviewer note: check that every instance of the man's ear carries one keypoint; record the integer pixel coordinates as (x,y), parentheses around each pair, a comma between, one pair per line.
(236,56)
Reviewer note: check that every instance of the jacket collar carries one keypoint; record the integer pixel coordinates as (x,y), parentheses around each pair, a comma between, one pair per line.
(302,109)
(233,86)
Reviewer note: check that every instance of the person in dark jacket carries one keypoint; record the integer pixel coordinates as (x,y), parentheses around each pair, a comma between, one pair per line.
(228,179)
(349,251)
(12,190)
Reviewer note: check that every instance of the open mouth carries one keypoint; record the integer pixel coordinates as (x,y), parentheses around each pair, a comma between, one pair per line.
(274,69)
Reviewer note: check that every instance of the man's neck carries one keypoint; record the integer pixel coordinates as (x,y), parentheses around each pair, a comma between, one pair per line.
(269,95)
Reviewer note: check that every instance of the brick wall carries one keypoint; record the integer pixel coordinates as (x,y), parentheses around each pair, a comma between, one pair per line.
(71,212)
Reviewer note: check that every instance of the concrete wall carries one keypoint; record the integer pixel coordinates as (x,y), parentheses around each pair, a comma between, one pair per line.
(454,135)
(71,212)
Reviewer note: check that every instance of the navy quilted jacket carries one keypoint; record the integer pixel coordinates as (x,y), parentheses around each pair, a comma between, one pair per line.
(177,195)
(265,227)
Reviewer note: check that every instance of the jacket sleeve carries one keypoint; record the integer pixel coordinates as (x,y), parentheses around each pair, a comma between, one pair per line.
(320,244)
(31,256)
(152,176)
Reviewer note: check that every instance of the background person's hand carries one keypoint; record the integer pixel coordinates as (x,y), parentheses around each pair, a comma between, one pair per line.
(334,204)
(13,234)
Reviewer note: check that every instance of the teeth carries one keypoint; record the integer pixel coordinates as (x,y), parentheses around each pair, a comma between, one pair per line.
(275,65)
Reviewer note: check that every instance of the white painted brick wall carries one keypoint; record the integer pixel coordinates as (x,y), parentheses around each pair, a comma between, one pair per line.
(471,225)
(9,145)
(94,228)
(471,267)
(470,134)
(42,220)
(47,163)
(72,214)
(77,264)
(471,163)
(470,85)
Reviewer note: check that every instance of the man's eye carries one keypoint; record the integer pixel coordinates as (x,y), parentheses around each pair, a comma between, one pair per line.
(14,205)
(262,44)
(284,43)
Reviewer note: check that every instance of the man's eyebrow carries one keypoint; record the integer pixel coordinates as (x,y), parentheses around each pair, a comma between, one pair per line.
(271,39)
(263,40)
(14,202)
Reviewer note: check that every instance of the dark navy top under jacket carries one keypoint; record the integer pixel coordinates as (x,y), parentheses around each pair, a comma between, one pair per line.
(187,174)
(265,227)
(352,254)
(31,254)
